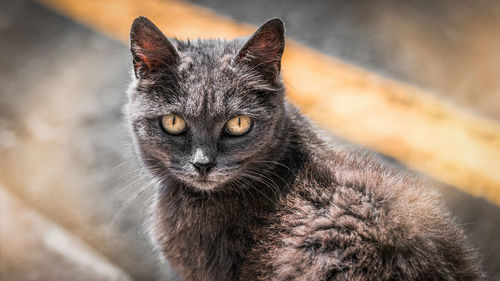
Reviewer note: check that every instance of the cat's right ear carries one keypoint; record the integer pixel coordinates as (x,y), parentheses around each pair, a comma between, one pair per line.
(151,50)
(264,49)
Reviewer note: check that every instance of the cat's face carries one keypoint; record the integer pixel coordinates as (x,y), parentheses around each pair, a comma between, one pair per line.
(203,111)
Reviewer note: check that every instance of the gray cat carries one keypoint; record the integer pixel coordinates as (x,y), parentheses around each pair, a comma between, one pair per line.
(250,189)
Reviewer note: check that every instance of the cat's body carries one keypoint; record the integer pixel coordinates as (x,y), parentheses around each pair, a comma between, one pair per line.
(284,203)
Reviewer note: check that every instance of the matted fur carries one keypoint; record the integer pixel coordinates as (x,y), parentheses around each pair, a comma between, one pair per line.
(281,202)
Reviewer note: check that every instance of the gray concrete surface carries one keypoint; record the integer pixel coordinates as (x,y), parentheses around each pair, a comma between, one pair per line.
(64,149)
(30,240)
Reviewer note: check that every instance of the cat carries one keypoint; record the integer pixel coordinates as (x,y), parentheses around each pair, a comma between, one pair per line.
(250,189)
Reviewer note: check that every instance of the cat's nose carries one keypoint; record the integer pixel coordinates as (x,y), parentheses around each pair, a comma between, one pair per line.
(203,160)
(203,168)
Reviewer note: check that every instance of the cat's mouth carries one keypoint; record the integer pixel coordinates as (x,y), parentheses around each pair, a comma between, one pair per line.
(206,184)
(208,181)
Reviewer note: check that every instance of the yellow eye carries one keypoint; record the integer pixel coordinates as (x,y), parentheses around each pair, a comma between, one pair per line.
(173,124)
(238,125)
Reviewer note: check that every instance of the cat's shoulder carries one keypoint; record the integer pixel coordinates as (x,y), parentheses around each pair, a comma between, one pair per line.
(354,194)
(356,219)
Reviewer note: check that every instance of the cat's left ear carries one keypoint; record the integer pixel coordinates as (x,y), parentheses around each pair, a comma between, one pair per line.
(264,49)
(151,50)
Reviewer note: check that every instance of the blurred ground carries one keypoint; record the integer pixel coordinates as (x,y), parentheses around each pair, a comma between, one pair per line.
(54,255)
(64,149)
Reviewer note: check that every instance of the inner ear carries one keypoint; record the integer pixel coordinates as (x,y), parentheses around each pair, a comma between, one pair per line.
(151,50)
(264,49)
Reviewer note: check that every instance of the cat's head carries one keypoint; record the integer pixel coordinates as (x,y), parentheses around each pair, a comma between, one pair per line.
(203,111)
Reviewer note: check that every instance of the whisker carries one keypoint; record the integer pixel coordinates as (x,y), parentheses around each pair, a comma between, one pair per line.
(264,177)
(279,164)
(259,180)
(246,188)
(126,204)
(263,172)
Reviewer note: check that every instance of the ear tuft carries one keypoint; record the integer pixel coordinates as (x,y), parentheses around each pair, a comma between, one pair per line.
(151,50)
(265,48)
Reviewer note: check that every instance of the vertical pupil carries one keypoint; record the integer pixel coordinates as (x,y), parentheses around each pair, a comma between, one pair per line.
(173,121)
(239,121)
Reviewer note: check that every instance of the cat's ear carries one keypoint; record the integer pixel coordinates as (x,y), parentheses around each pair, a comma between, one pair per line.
(264,49)
(151,50)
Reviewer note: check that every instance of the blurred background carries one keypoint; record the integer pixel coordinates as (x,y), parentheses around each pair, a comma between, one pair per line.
(417,82)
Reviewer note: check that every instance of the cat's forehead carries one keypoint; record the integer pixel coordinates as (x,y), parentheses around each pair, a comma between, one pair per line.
(201,55)
(203,49)
(206,74)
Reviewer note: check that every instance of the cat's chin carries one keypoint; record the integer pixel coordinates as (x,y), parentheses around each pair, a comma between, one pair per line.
(204,183)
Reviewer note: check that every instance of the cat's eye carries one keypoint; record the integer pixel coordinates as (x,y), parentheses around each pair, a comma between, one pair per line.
(238,125)
(173,124)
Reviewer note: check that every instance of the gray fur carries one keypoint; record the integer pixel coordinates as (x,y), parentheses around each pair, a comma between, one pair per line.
(281,203)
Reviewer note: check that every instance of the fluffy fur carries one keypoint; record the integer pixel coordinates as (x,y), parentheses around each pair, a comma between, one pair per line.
(282,202)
